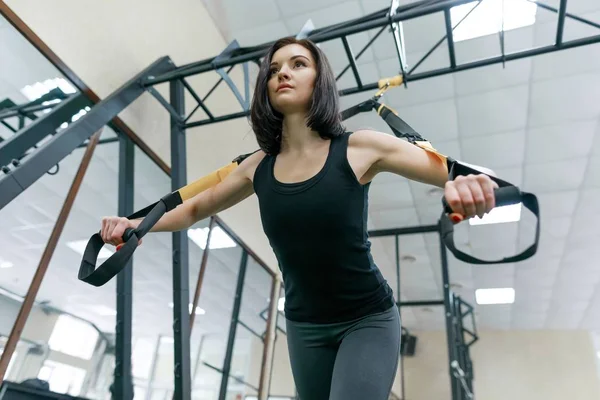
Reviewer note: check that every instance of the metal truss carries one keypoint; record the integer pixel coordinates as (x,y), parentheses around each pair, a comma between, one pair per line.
(388,18)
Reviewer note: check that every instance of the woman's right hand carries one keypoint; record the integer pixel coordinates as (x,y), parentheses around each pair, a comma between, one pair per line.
(113,229)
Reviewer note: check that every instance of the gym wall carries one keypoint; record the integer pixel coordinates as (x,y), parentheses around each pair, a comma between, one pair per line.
(116,39)
(532,365)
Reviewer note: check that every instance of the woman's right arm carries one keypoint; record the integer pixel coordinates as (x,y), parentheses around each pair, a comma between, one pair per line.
(236,187)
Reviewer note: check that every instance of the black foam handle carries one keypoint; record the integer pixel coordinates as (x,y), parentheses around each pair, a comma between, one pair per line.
(504,196)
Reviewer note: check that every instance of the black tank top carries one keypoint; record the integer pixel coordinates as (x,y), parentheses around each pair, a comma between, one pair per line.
(318,231)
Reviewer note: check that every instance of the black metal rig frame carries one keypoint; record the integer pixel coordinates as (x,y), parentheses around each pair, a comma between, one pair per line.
(18,176)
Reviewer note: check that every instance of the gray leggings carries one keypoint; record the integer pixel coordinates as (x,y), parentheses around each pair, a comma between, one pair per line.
(355,360)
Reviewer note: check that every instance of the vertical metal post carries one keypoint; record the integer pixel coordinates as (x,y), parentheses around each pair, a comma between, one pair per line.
(450,38)
(397,239)
(235,313)
(448,316)
(123,384)
(269,342)
(561,22)
(181,315)
(36,282)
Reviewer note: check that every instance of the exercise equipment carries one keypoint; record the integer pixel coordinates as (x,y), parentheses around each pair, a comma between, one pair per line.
(506,194)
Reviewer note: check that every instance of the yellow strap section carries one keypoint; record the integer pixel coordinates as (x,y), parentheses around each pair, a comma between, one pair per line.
(386,83)
(206,182)
(429,148)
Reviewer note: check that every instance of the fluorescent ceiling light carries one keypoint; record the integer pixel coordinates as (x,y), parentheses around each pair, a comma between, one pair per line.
(499,215)
(218,238)
(281,304)
(495,296)
(486,19)
(79,247)
(199,311)
(4,264)
(38,89)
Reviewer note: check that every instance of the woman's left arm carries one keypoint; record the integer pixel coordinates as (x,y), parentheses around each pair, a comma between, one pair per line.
(468,195)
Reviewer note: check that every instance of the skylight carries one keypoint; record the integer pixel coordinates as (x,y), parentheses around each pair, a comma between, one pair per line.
(218,239)
(495,296)
(486,19)
(281,304)
(499,215)
(38,89)
(79,247)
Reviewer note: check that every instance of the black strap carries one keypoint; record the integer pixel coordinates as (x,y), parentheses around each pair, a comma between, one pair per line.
(115,263)
(507,194)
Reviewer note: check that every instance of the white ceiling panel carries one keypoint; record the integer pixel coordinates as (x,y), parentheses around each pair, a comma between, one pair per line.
(443,127)
(368,74)
(326,15)
(592,176)
(417,92)
(421,34)
(553,176)
(513,73)
(489,46)
(494,111)
(560,100)
(494,276)
(558,204)
(513,175)
(249,14)
(493,151)
(548,143)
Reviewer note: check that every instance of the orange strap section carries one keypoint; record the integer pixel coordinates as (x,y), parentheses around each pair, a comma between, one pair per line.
(206,182)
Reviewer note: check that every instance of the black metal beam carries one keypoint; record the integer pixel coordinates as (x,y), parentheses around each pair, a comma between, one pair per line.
(123,383)
(235,314)
(181,285)
(18,144)
(421,303)
(361,52)
(448,317)
(560,27)
(410,77)
(450,37)
(404,231)
(198,99)
(485,62)
(352,61)
(224,118)
(62,144)
(316,36)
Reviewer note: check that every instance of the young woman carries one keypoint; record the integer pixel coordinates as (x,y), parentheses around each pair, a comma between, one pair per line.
(312,180)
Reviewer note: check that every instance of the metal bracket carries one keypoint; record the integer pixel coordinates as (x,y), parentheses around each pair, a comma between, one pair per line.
(225,54)
(398,35)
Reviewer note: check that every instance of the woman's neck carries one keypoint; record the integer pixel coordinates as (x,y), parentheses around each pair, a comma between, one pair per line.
(296,136)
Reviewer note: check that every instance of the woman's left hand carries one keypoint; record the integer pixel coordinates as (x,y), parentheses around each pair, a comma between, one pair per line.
(471,195)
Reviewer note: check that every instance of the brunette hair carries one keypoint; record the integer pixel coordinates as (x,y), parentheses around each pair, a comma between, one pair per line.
(324,115)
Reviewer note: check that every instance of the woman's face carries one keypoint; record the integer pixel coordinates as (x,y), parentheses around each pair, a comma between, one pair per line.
(291,79)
